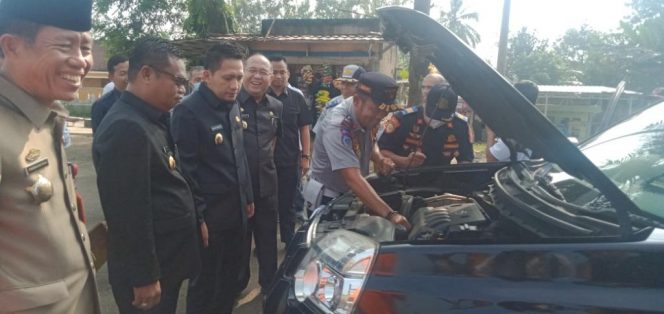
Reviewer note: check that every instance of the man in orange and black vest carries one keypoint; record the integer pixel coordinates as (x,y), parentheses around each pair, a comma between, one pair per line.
(428,136)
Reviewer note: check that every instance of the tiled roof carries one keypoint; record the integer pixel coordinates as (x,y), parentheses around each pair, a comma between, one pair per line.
(581,89)
(252,37)
(198,45)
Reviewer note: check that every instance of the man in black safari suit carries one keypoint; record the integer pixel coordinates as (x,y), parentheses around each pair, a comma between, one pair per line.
(153,242)
(207,128)
(262,115)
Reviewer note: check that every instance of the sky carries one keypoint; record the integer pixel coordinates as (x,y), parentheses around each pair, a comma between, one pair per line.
(548,18)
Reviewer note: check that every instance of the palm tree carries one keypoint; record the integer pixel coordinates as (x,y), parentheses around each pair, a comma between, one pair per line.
(456,21)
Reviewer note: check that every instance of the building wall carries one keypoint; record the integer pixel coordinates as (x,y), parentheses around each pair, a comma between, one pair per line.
(388,60)
(92,86)
(579,115)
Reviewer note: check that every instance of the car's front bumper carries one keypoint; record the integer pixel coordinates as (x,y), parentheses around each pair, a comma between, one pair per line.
(280,297)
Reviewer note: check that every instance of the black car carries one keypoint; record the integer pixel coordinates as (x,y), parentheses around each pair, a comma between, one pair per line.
(572,232)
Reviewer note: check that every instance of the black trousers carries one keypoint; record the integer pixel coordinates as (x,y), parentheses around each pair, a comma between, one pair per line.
(288,177)
(124,295)
(262,228)
(218,285)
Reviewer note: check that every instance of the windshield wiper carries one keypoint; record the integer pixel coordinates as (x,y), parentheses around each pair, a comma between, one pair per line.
(600,204)
(543,203)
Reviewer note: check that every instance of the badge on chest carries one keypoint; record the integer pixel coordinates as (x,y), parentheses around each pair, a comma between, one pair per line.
(170,159)
(41,189)
(218,136)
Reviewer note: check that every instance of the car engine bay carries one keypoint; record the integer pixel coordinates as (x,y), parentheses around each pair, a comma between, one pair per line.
(500,211)
(433,217)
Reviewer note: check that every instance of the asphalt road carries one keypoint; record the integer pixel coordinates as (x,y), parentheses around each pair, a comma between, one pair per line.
(80,152)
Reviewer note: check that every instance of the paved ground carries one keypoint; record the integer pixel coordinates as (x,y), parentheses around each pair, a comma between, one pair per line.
(80,152)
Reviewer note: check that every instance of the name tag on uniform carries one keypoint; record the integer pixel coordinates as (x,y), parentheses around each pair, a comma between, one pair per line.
(36,166)
(216,128)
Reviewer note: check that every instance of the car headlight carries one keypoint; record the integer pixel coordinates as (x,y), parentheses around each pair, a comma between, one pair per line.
(334,270)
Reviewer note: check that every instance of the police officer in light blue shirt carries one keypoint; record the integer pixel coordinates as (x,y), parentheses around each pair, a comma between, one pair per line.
(345,145)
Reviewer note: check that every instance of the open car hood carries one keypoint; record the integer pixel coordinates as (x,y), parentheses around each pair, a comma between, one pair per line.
(492,97)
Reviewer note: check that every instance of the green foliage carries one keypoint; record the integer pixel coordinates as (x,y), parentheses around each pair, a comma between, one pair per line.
(642,33)
(585,56)
(208,17)
(333,9)
(529,58)
(456,20)
(249,13)
(118,23)
(592,57)
(78,110)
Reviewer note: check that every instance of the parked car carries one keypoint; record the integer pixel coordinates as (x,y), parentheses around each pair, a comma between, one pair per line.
(581,230)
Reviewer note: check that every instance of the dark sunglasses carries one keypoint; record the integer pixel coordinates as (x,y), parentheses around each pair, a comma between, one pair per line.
(178,80)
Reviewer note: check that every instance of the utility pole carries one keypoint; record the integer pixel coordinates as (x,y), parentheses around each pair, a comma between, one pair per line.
(501,66)
(418,62)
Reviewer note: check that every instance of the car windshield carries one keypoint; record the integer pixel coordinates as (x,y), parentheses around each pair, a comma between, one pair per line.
(631,154)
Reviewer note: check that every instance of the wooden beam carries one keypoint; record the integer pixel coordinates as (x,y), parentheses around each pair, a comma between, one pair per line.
(329,60)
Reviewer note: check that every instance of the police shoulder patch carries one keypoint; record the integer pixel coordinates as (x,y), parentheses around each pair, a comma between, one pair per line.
(460,116)
(334,102)
(410,110)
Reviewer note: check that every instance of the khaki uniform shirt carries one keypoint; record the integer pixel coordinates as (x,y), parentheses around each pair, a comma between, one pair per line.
(45,260)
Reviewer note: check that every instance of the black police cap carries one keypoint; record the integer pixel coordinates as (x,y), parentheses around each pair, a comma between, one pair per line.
(381,88)
(75,15)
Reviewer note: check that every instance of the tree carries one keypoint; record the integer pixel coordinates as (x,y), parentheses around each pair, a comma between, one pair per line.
(642,33)
(456,20)
(418,66)
(591,57)
(119,23)
(330,9)
(208,17)
(529,58)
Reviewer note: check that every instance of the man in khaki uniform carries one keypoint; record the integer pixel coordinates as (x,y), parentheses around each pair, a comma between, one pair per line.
(45,260)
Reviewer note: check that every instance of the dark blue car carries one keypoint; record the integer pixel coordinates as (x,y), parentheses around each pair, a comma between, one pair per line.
(579,231)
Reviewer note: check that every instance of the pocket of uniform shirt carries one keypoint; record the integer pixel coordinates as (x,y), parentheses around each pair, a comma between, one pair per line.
(23,299)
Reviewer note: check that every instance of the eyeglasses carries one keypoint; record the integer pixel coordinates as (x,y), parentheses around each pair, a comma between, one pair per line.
(178,80)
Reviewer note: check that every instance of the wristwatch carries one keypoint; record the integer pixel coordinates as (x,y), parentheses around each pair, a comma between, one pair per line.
(305,156)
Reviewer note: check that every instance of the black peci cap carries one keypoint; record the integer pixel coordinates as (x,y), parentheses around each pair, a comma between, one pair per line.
(381,88)
(75,15)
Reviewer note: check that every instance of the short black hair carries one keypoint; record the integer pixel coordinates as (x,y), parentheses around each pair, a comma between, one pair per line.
(222,51)
(151,51)
(19,27)
(196,68)
(115,60)
(277,58)
(528,89)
